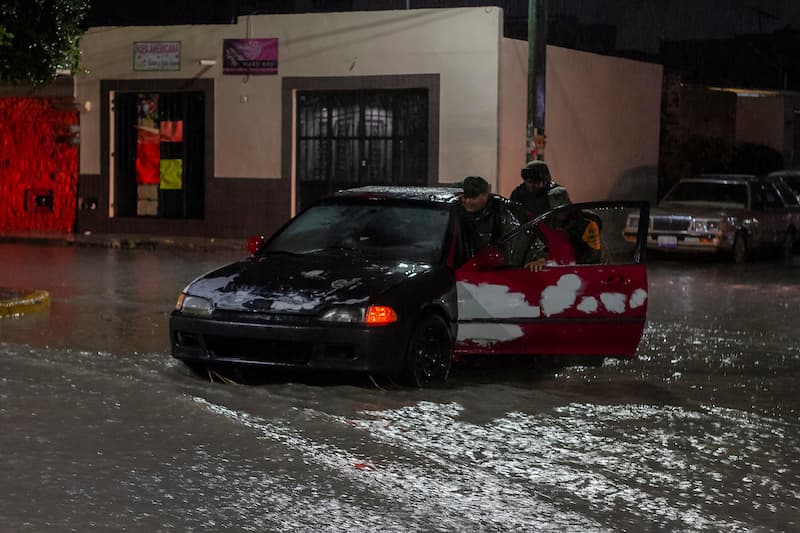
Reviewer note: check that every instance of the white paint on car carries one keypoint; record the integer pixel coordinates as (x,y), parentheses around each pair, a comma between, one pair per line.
(487,300)
(487,334)
(614,301)
(638,298)
(588,304)
(561,296)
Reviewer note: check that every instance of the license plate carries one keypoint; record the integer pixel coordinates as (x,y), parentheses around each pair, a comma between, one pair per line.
(667,241)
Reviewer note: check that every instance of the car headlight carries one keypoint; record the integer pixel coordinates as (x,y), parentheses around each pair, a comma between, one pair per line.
(705,225)
(194,305)
(374,315)
(343,314)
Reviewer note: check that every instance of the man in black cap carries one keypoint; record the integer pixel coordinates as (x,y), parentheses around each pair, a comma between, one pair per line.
(488,217)
(534,189)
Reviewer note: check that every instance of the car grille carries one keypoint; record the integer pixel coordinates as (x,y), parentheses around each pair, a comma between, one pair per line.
(264,318)
(671,223)
(266,350)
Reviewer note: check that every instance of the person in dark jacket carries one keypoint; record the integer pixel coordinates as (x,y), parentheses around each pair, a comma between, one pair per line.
(533,191)
(488,218)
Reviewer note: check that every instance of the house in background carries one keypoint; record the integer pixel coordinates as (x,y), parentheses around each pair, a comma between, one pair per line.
(277,110)
(175,141)
(730,104)
(38,158)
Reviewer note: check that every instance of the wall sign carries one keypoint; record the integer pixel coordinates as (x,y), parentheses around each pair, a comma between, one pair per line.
(250,56)
(157,55)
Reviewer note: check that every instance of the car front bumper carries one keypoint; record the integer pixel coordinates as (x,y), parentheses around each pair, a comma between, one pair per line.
(297,345)
(685,242)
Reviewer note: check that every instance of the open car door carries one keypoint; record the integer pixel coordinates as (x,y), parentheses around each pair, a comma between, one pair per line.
(590,297)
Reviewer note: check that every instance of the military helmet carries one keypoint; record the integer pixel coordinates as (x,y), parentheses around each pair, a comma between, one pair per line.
(535,171)
(558,196)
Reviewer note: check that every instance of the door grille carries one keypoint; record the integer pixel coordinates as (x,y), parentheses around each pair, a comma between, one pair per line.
(352,138)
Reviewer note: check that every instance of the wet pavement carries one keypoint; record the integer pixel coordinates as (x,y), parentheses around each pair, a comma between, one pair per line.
(102,430)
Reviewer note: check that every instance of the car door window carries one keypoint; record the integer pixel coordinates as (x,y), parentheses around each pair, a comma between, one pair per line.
(771,198)
(786,194)
(756,197)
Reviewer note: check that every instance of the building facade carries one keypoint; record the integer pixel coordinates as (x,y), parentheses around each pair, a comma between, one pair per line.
(228,130)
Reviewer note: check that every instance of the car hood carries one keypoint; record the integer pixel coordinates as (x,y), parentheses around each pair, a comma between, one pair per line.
(301,284)
(702,211)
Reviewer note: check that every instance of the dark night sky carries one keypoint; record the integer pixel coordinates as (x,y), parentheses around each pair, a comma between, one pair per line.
(641,24)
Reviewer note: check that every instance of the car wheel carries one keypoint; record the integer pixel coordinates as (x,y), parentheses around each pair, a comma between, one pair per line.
(788,244)
(740,251)
(198,369)
(430,352)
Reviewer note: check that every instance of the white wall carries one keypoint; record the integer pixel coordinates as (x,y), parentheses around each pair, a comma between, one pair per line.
(602,121)
(513,113)
(462,45)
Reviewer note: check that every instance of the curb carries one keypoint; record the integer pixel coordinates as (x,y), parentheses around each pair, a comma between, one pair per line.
(128,241)
(15,302)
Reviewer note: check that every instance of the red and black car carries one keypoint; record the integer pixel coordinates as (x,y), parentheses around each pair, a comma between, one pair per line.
(375,280)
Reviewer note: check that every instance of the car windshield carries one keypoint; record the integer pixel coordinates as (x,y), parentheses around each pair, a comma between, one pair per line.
(793,182)
(375,229)
(709,192)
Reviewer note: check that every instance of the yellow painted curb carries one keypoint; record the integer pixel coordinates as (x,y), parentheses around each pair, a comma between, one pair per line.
(14,302)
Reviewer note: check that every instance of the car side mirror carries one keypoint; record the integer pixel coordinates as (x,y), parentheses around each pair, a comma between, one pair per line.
(254,244)
(489,258)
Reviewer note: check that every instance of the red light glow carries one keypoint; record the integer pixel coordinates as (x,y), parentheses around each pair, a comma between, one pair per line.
(379,315)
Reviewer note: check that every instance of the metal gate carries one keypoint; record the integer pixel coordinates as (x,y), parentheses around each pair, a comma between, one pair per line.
(159,154)
(351,138)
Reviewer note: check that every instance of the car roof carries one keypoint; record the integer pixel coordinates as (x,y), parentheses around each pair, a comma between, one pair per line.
(439,195)
(721,178)
(787,172)
(732,176)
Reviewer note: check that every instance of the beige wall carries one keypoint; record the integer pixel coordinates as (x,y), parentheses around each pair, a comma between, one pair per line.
(462,45)
(513,113)
(602,123)
(760,120)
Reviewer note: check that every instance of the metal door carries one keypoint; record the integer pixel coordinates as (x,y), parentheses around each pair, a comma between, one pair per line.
(352,138)
(578,306)
(174,123)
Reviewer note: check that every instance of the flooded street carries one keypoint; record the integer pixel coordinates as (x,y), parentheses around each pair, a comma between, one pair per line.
(102,430)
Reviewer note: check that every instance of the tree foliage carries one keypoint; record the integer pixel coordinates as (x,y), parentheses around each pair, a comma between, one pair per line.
(38,37)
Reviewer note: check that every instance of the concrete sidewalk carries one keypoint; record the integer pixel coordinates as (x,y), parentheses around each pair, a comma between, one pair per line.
(126,241)
(18,302)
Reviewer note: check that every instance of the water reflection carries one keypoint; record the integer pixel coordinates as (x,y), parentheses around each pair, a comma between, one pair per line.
(101,428)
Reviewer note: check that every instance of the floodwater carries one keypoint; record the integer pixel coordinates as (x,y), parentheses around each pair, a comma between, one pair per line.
(101,430)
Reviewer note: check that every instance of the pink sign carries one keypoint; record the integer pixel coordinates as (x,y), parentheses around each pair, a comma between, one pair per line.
(250,56)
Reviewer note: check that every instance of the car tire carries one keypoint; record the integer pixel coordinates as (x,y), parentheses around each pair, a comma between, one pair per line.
(788,244)
(740,251)
(198,369)
(430,352)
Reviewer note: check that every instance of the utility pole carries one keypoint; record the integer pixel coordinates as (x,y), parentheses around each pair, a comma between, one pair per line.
(537,65)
